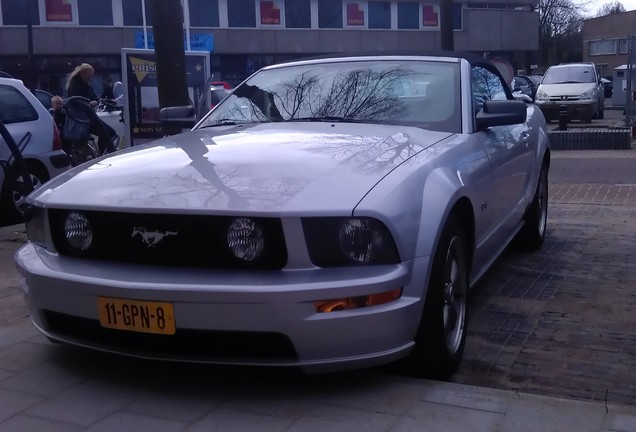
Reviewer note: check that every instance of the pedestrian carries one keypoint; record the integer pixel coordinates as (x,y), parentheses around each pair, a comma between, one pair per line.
(108,92)
(59,117)
(79,84)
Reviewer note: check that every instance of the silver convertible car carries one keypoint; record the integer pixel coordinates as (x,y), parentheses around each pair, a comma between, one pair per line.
(329,214)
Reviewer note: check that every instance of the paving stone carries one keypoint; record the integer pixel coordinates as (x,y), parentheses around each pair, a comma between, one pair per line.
(225,419)
(25,423)
(179,405)
(47,379)
(134,422)
(13,402)
(327,417)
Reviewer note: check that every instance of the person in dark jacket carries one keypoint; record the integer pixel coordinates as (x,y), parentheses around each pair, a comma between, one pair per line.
(108,92)
(59,117)
(79,84)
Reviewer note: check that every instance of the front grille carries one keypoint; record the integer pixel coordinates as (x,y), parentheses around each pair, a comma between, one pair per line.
(178,240)
(564,99)
(185,344)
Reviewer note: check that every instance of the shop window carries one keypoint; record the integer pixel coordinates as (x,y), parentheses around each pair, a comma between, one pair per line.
(132,13)
(379,14)
(408,15)
(204,13)
(95,12)
(15,12)
(298,14)
(241,13)
(330,13)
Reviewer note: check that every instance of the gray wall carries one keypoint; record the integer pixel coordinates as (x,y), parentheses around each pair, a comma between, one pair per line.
(484,30)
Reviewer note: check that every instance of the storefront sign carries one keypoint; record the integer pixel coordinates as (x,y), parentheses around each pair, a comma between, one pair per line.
(270,12)
(59,10)
(198,42)
(430,16)
(355,13)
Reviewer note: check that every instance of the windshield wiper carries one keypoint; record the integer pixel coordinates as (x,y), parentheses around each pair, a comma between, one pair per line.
(228,122)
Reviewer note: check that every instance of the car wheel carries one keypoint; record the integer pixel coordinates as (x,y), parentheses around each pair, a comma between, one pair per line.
(532,235)
(12,198)
(441,337)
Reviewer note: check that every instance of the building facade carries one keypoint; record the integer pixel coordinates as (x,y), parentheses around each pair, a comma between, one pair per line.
(605,40)
(244,35)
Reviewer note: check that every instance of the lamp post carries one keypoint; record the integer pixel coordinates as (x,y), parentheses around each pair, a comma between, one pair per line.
(31,73)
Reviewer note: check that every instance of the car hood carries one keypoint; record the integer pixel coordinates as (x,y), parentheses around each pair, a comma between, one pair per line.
(573,89)
(284,167)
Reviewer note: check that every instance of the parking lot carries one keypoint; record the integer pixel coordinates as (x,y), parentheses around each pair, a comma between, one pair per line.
(559,322)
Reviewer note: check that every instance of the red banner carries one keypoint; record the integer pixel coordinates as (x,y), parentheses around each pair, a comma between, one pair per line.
(270,13)
(58,10)
(430,18)
(355,14)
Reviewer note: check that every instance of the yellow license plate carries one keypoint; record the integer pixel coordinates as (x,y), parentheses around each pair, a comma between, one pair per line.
(134,315)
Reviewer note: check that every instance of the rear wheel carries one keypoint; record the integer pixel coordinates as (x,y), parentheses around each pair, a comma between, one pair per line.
(441,337)
(532,235)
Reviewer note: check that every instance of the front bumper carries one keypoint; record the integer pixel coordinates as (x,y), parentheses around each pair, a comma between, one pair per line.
(232,304)
(577,110)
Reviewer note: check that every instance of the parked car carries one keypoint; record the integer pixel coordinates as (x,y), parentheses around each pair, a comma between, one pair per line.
(317,218)
(30,125)
(523,85)
(576,86)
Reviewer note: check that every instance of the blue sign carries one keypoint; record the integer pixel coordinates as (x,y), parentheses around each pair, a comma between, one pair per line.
(198,42)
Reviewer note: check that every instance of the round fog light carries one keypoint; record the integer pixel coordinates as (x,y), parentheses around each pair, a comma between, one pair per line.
(78,231)
(245,239)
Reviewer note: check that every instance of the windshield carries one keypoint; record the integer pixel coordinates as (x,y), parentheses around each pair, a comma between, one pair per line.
(415,93)
(569,74)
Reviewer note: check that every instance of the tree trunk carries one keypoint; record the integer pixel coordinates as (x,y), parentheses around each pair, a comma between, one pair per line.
(167,26)
(446,25)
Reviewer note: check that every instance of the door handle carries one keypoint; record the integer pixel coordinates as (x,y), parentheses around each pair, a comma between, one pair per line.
(525,136)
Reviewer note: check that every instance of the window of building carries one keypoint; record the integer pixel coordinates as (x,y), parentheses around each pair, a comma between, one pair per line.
(601,47)
(408,15)
(15,12)
(95,12)
(204,13)
(14,107)
(133,15)
(241,13)
(458,16)
(623,46)
(380,14)
(298,14)
(330,13)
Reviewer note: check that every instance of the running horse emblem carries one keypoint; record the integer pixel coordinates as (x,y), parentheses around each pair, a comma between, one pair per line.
(151,238)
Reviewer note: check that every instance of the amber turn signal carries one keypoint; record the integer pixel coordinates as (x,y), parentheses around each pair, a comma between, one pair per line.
(348,303)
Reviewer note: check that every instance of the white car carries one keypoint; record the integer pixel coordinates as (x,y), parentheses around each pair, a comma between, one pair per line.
(317,217)
(576,87)
(29,123)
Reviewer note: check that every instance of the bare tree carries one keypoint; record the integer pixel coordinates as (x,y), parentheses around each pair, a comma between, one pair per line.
(558,20)
(610,8)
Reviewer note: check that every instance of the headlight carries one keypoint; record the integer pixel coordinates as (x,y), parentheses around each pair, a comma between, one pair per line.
(349,241)
(587,95)
(35,221)
(541,95)
(78,231)
(245,239)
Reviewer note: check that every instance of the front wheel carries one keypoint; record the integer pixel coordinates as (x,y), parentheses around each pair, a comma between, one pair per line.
(441,337)
(12,198)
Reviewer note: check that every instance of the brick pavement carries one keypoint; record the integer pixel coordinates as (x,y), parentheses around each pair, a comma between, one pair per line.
(561,321)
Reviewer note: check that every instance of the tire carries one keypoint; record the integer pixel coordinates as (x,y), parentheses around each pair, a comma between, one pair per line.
(532,235)
(441,336)
(11,200)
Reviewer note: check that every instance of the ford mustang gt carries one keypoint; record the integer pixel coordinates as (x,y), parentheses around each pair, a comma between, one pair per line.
(329,214)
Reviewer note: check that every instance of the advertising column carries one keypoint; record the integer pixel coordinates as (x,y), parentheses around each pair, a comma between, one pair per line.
(141,107)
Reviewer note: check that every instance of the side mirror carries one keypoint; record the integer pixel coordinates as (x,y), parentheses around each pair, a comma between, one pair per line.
(501,113)
(179,117)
